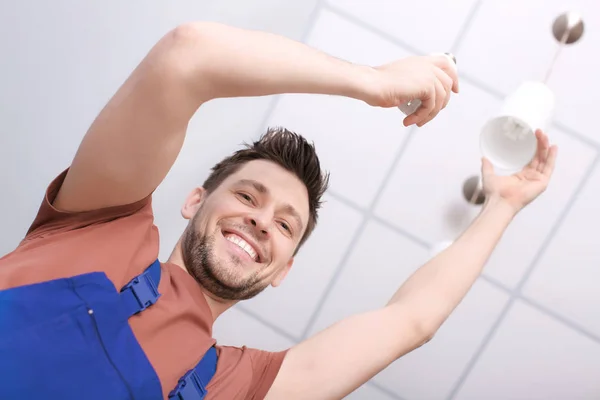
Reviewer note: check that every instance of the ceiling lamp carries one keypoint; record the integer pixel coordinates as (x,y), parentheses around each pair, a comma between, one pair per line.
(508,139)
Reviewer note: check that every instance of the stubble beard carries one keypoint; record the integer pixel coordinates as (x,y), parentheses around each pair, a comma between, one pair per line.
(214,275)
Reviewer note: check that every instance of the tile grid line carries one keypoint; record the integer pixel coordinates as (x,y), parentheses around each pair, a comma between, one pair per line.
(274,327)
(517,293)
(368,27)
(542,309)
(465,26)
(350,204)
(358,233)
(574,326)
(393,395)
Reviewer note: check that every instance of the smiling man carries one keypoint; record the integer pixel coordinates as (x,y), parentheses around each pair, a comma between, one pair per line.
(246,227)
(88,312)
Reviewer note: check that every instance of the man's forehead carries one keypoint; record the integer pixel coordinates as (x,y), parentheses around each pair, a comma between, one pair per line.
(261,166)
(270,174)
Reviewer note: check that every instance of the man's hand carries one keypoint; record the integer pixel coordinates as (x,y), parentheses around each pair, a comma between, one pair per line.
(430,79)
(522,188)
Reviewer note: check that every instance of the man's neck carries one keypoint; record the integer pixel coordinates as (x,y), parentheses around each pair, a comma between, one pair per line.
(217,306)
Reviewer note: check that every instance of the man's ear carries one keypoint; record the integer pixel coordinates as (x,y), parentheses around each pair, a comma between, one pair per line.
(193,202)
(282,274)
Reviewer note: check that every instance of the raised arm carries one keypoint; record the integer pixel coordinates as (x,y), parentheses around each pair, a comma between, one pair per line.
(136,138)
(341,358)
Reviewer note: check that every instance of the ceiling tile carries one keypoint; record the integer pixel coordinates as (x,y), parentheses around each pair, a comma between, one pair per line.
(534,357)
(567,275)
(444,358)
(236,328)
(377,266)
(428,25)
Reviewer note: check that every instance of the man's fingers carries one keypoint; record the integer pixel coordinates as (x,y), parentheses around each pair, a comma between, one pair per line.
(543,148)
(427,105)
(540,152)
(447,83)
(440,99)
(487,168)
(550,161)
(447,65)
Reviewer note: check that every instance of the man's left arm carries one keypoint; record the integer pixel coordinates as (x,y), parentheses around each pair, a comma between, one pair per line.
(339,359)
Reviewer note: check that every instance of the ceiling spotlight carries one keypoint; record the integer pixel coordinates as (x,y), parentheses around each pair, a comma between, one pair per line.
(473,190)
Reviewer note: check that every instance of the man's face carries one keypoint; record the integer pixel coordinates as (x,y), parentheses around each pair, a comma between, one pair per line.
(242,236)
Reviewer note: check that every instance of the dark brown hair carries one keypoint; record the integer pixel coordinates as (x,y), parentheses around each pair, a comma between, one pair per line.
(289,150)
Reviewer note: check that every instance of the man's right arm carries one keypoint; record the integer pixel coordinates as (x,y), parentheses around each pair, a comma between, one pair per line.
(339,359)
(135,140)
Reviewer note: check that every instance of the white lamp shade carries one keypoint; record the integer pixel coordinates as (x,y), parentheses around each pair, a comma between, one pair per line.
(508,139)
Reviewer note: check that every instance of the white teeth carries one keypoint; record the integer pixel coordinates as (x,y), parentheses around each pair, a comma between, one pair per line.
(242,244)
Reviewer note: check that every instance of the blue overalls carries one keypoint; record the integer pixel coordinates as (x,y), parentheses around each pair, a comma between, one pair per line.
(70,339)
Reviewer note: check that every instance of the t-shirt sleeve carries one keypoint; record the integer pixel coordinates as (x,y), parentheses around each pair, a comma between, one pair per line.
(246,373)
(265,367)
(49,219)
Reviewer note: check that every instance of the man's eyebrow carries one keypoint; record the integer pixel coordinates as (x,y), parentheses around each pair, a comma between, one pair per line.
(255,184)
(289,209)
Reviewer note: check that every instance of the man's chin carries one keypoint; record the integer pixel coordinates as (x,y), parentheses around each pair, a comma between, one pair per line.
(235,289)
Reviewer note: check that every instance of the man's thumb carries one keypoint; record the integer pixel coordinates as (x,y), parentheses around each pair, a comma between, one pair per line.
(486,167)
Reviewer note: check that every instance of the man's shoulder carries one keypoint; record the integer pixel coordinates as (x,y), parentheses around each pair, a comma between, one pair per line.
(52,219)
(120,241)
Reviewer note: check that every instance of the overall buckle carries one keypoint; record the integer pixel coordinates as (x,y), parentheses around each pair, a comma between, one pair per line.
(144,290)
(189,387)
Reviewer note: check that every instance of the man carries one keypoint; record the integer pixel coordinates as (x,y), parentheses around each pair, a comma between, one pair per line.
(63,331)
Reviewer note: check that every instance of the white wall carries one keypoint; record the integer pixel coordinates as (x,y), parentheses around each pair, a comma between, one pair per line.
(530,328)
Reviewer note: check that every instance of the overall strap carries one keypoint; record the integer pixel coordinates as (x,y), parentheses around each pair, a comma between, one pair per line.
(192,385)
(142,291)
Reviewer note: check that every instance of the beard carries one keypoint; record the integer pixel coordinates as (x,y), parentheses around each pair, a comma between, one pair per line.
(217,276)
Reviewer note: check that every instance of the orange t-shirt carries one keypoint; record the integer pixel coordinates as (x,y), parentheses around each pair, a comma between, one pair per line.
(122,242)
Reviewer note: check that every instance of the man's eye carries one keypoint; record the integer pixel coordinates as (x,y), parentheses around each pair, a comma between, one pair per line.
(246,197)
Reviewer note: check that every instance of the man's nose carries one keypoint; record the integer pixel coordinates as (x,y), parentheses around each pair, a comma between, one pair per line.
(261,222)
